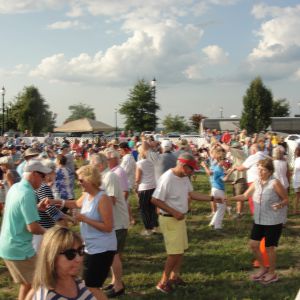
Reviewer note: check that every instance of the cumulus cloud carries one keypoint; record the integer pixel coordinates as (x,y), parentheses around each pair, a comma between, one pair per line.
(167,46)
(20,69)
(215,55)
(277,53)
(67,25)
(278,34)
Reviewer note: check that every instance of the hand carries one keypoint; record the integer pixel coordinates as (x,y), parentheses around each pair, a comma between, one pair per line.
(203,164)
(178,215)
(43,204)
(79,217)
(277,206)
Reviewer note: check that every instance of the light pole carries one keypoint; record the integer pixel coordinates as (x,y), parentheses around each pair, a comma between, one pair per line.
(3,109)
(221,112)
(116,119)
(153,86)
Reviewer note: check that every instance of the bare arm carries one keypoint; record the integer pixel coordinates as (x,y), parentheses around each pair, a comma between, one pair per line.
(138,176)
(35,228)
(245,196)
(106,211)
(282,193)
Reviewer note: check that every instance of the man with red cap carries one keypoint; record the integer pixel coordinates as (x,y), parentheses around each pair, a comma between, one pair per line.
(171,196)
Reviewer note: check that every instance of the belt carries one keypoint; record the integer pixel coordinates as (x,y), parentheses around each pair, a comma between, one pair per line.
(166,215)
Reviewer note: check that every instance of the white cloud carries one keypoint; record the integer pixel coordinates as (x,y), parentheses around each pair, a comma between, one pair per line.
(215,55)
(279,34)
(67,25)
(20,69)
(24,6)
(167,46)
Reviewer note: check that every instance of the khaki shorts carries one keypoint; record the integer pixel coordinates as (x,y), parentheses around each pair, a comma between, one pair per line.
(174,233)
(240,187)
(21,270)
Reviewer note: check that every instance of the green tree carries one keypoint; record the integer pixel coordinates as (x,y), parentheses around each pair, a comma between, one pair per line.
(195,121)
(30,111)
(80,111)
(280,108)
(257,112)
(175,123)
(140,108)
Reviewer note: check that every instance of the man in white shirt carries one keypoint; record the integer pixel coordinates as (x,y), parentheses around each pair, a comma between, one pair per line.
(171,196)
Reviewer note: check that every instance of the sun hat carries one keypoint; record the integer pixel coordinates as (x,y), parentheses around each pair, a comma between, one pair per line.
(35,165)
(31,152)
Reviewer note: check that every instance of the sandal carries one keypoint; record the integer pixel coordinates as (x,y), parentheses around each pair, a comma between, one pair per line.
(258,275)
(269,279)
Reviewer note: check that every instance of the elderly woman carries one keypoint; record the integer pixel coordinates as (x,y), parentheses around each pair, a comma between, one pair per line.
(96,227)
(146,183)
(270,209)
(58,265)
(281,169)
(296,180)
(10,176)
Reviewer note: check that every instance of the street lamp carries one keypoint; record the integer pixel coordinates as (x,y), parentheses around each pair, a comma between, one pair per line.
(116,119)
(153,86)
(3,109)
(221,112)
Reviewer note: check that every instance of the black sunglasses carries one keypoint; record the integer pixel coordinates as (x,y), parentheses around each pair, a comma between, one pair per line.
(41,174)
(70,254)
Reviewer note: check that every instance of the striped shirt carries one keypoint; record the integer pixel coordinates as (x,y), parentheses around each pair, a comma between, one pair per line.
(83,294)
(51,214)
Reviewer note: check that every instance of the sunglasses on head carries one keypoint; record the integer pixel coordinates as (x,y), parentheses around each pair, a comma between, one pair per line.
(70,254)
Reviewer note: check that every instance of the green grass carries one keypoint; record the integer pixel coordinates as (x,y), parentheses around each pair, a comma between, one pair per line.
(216,266)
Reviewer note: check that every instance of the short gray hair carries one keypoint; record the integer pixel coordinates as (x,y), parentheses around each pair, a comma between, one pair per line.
(99,158)
(111,153)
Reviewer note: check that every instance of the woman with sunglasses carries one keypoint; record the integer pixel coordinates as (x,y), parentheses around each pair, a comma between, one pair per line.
(57,268)
(96,227)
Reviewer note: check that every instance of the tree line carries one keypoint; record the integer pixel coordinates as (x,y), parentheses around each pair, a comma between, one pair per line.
(30,111)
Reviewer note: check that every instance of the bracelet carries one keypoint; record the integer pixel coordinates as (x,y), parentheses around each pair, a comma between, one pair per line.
(63,202)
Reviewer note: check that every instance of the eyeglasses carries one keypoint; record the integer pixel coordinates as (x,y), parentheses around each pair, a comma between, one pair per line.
(41,174)
(70,254)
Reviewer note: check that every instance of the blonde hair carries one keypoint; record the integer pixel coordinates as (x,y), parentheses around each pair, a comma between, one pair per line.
(91,174)
(56,240)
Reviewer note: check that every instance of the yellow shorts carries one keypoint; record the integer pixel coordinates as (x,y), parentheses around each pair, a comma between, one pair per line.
(174,233)
(21,270)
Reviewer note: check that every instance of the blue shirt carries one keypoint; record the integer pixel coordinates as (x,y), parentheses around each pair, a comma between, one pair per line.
(20,211)
(216,179)
(95,240)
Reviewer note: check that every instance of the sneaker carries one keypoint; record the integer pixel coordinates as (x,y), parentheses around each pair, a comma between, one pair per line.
(164,287)
(146,232)
(177,282)
(155,230)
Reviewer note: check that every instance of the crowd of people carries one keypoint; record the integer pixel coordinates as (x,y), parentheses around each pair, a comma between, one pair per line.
(38,202)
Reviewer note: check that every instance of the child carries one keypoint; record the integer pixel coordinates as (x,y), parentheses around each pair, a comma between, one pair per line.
(217,174)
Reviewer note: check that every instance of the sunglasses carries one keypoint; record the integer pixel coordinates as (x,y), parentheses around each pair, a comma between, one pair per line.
(41,174)
(70,254)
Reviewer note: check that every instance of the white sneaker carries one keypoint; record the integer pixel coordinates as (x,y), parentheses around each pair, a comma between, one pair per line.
(146,232)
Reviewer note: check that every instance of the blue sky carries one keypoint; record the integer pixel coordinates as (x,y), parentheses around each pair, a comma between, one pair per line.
(203,54)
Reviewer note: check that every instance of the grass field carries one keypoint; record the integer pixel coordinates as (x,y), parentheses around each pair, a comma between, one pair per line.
(216,265)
